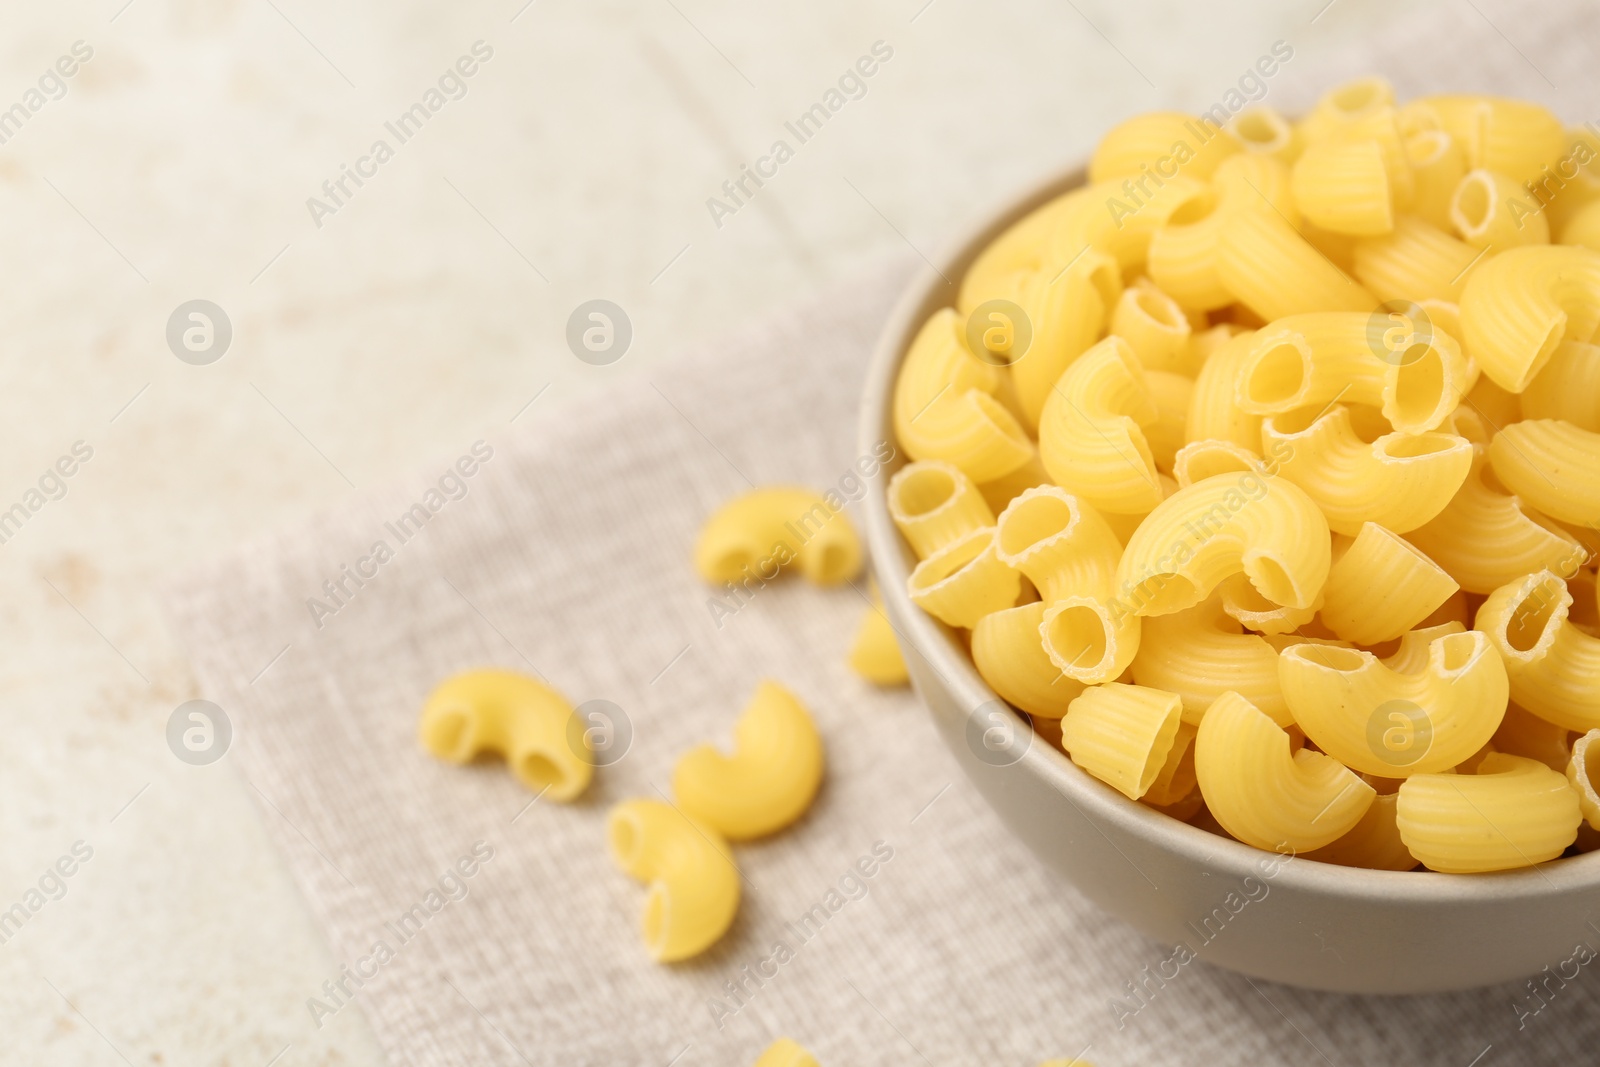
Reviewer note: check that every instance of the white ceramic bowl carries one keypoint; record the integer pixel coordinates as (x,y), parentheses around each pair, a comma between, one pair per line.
(1307,923)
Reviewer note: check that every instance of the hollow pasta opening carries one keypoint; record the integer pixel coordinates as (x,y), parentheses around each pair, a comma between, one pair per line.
(1159,308)
(1195,209)
(1034,520)
(1541,609)
(1457,651)
(1002,419)
(952,559)
(1360,96)
(1278,375)
(540,771)
(1416,446)
(1261,129)
(1333,657)
(1272,580)
(1426,147)
(1078,635)
(1419,387)
(923,491)
(1205,459)
(1299,420)
(1107,281)
(1585,611)
(1472,207)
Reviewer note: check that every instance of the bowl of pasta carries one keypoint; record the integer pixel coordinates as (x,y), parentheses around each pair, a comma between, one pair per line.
(1240,539)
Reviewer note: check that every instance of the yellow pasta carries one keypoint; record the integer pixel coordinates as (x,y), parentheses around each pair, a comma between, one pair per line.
(875,652)
(1263,794)
(530,725)
(1020,248)
(1091,436)
(1490,210)
(1582,227)
(1173,393)
(1583,770)
(1060,542)
(1400,481)
(1176,782)
(1266,528)
(765,529)
(1512,812)
(1523,733)
(934,503)
(1568,388)
(1003,490)
(1416,262)
(1316,359)
(1122,734)
(1246,606)
(1437,167)
(1200,653)
(1008,650)
(1343,186)
(1380,586)
(786,1053)
(1552,665)
(1554,466)
(1090,637)
(1267,265)
(1262,131)
(1374,718)
(944,405)
(1154,326)
(1214,411)
(1203,459)
(694,885)
(1116,217)
(1160,141)
(964,581)
(1510,136)
(1374,842)
(769,780)
(1519,305)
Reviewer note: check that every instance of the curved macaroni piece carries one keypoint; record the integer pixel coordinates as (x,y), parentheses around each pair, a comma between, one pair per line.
(1200,653)
(1523,733)
(1066,313)
(1267,528)
(1200,460)
(1262,131)
(1154,326)
(1519,305)
(1122,734)
(694,885)
(1418,261)
(1176,783)
(1316,359)
(934,503)
(1553,665)
(1008,650)
(1490,210)
(1207,341)
(1400,481)
(1091,436)
(1214,411)
(1264,795)
(786,1053)
(1002,491)
(1255,612)
(1583,770)
(1413,650)
(1182,258)
(1568,388)
(1343,186)
(1484,539)
(964,581)
(1513,812)
(1379,587)
(1118,219)
(1511,136)
(1376,719)
(768,782)
(1551,465)
(944,405)
(1582,227)
(1172,394)
(1339,112)
(527,723)
(1061,543)
(1374,842)
(1270,267)
(1138,145)
(1021,247)
(1091,638)
(768,528)
(875,653)
(1437,167)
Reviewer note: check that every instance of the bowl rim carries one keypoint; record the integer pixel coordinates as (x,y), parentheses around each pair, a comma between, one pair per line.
(939,646)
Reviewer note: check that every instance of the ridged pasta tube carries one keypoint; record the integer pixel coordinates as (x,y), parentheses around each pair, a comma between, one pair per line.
(1568,388)
(1134,146)
(934,503)
(1484,539)
(1066,310)
(1343,186)
(1553,665)
(768,528)
(768,782)
(1091,438)
(1491,210)
(1214,411)
(1105,216)
(964,581)
(1090,638)
(1263,794)
(1199,460)
(786,1053)
(1200,653)
(1315,359)
(1154,326)
(1437,167)
(1514,137)
(944,405)
(1380,586)
(1263,131)
(1399,481)
(1373,843)
(1060,542)
(694,885)
(1270,267)
(1376,719)
(526,722)
(1266,528)
(1520,305)
(1523,733)
(1008,650)
(1122,734)
(1417,262)
(1553,466)
(1583,771)
(1513,812)
(1246,606)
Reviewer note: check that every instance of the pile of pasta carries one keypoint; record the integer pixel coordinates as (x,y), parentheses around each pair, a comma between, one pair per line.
(1263,472)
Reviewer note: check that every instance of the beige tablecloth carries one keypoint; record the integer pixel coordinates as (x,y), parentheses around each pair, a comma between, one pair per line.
(566,553)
